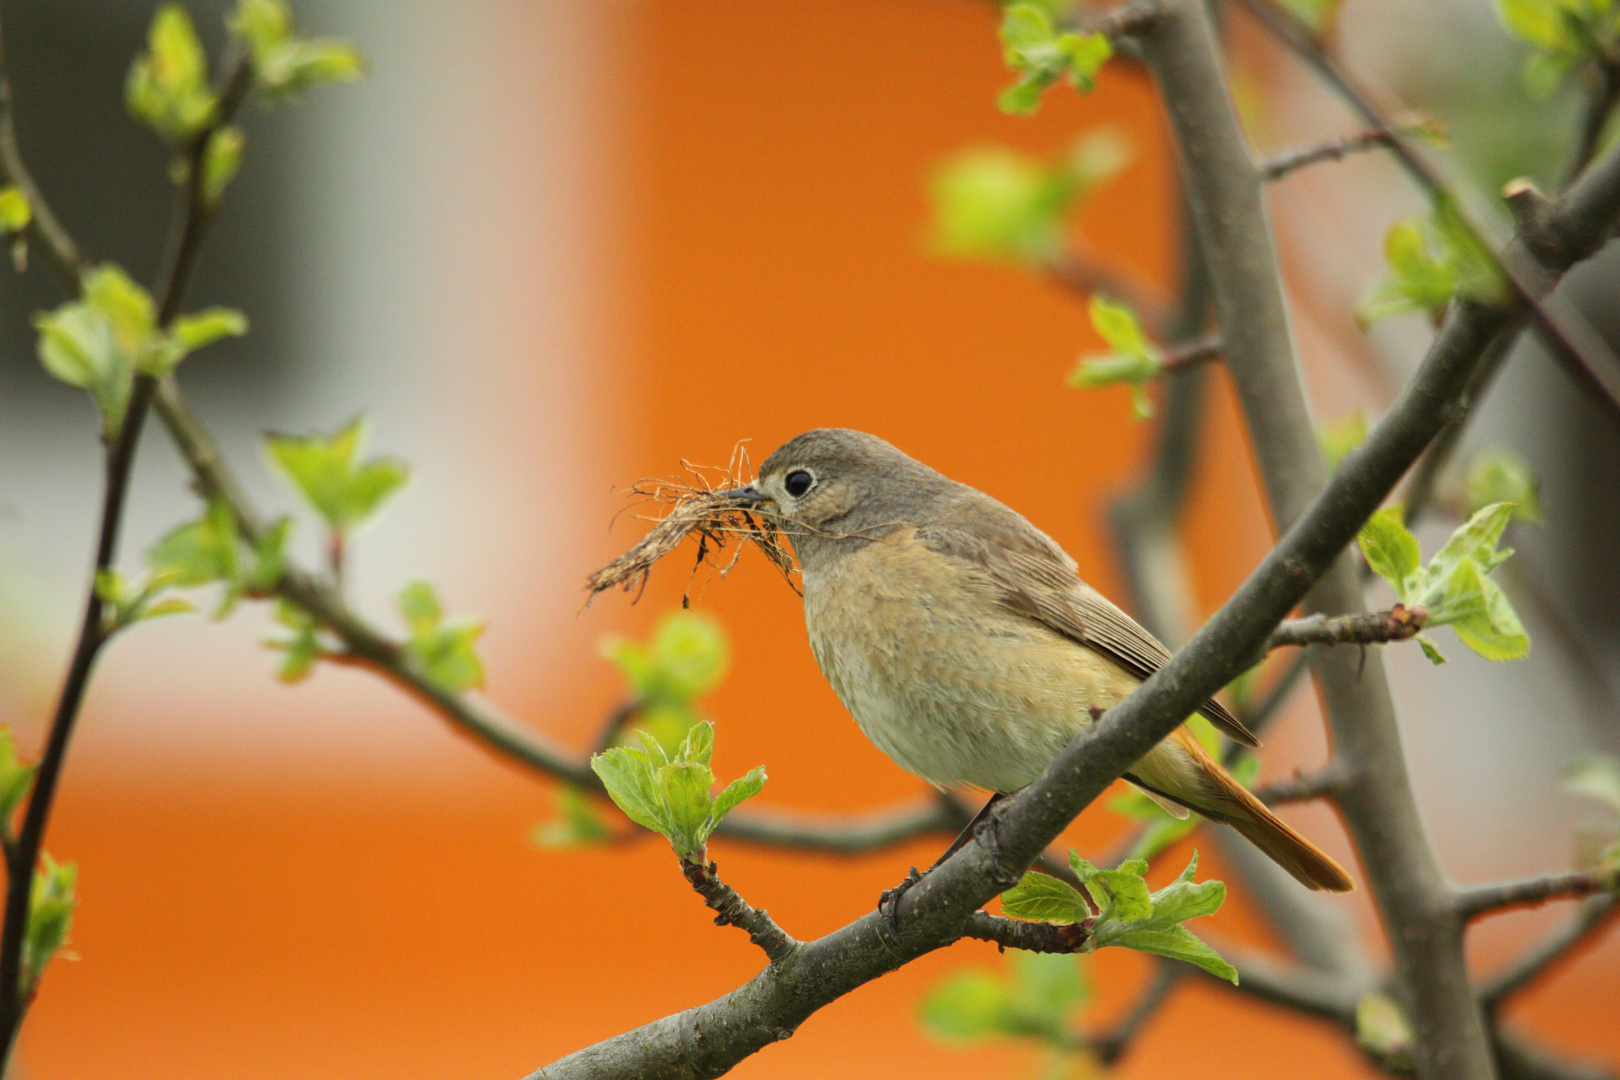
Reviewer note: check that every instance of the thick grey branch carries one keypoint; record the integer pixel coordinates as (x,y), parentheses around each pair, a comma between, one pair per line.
(1226,191)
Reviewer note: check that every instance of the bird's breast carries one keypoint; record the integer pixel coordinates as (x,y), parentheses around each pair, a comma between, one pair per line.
(940,675)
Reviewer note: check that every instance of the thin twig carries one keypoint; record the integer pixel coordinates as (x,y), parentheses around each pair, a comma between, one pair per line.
(61,252)
(1481,900)
(1570,338)
(1291,161)
(1041,937)
(1087,274)
(22,856)
(1302,786)
(1399,623)
(1559,947)
(1111,1045)
(732,910)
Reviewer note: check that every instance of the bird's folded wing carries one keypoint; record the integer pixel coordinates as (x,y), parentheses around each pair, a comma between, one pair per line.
(1039,580)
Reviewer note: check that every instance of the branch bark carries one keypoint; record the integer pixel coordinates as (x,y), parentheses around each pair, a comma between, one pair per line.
(732,910)
(1482,900)
(1226,191)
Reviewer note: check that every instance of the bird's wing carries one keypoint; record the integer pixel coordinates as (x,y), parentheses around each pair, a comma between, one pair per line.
(1037,579)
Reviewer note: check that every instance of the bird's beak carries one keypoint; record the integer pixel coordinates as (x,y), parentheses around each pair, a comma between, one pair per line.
(746,494)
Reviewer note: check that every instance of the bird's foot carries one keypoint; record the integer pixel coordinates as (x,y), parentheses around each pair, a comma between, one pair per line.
(889,903)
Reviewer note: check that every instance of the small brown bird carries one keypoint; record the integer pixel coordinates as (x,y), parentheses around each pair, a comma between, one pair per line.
(965,644)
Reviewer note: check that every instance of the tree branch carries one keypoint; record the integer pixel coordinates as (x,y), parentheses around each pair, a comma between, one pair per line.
(1556,949)
(1292,161)
(934,911)
(1569,337)
(1481,900)
(1226,191)
(1041,937)
(61,252)
(1303,787)
(732,910)
(22,855)
(1399,623)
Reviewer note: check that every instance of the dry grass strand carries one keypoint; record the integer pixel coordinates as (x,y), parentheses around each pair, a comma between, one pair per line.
(695,507)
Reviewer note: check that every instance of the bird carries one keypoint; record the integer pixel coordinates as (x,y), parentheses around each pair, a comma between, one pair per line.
(965,644)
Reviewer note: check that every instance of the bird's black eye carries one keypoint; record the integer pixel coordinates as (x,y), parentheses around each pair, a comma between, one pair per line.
(798,482)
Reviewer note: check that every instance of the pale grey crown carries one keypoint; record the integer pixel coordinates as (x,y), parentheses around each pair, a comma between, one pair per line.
(860,488)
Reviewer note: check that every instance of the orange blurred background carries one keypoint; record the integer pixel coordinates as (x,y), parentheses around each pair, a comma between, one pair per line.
(264,898)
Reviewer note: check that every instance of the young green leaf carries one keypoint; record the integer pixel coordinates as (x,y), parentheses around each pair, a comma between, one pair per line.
(671,794)
(576,825)
(966,1006)
(1040,897)
(221,159)
(1036,998)
(283,63)
(631,783)
(302,648)
(15,213)
(1383,1031)
(444,651)
(1504,477)
(1121,894)
(51,901)
(1338,439)
(1135,361)
(16,777)
(168,87)
(1391,550)
(323,469)
(199,552)
(1596,777)
(1431,261)
(1041,54)
(744,787)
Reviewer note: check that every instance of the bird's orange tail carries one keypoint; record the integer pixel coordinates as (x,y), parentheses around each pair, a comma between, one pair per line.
(1232,803)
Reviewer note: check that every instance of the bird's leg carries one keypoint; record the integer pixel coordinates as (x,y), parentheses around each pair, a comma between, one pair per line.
(889,901)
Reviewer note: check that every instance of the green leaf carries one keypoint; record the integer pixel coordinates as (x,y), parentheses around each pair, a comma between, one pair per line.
(628,776)
(1475,541)
(221,160)
(1176,942)
(51,901)
(966,1006)
(302,648)
(1040,897)
(1545,72)
(1041,54)
(284,64)
(685,786)
(1316,14)
(322,468)
(1430,650)
(167,88)
(995,203)
(1338,439)
(1504,477)
(576,825)
(444,651)
(1382,1030)
(1492,629)
(698,744)
(16,777)
(1120,894)
(686,657)
(1540,22)
(1391,550)
(1117,325)
(199,552)
(744,787)
(15,213)
(1596,777)
(205,327)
